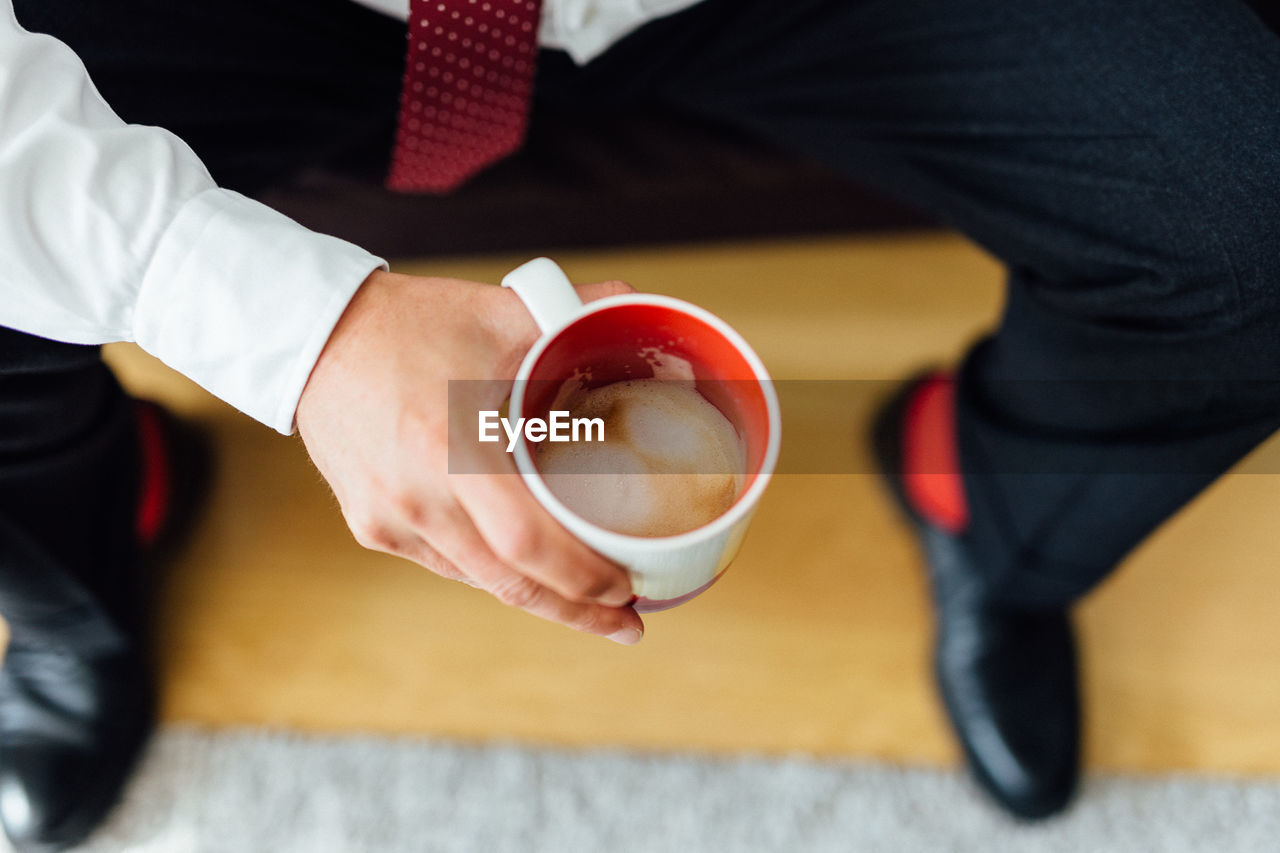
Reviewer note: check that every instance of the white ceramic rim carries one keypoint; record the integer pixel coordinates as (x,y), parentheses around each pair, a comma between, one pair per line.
(722,523)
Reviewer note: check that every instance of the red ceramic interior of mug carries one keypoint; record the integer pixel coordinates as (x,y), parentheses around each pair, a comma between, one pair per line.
(616,343)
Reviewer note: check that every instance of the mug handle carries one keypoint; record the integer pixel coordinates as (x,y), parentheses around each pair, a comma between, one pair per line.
(546,291)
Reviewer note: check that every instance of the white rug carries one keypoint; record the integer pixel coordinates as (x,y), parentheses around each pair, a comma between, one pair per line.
(252,791)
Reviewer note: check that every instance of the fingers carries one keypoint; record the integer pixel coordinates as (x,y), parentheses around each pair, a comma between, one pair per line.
(489,519)
(466,547)
(620,624)
(517,528)
(526,538)
(415,548)
(375,419)
(601,289)
(461,544)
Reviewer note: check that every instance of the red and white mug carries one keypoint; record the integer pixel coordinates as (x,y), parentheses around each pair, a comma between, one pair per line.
(616,338)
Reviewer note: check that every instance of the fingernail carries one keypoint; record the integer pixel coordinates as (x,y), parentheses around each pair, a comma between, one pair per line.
(626,636)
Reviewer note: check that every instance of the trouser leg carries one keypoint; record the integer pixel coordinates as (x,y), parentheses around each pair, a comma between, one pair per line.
(1121,158)
(68,480)
(261,90)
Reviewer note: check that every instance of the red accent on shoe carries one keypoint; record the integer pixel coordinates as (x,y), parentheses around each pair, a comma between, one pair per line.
(154,480)
(930,458)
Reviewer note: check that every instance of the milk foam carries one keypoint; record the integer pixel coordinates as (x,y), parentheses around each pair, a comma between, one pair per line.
(670,461)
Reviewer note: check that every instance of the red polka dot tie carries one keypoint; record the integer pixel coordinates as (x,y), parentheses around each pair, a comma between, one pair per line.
(465,99)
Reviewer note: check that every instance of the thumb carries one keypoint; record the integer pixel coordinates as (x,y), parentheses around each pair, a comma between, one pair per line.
(601,289)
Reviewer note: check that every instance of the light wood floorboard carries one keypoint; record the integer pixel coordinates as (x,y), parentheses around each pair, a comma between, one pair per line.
(814,642)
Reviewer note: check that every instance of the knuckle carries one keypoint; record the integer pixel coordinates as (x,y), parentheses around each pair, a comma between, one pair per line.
(520,592)
(616,287)
(372,535)
(589,621)
(518,543)
(408,507)
(437,564)
(584,587)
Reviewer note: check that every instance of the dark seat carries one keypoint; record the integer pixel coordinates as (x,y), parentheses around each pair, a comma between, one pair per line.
(647,178)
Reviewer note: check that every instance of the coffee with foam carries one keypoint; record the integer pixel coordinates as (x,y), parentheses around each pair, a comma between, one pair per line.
(669,462)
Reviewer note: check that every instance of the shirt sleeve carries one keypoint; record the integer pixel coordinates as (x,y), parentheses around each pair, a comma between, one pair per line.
(116,232)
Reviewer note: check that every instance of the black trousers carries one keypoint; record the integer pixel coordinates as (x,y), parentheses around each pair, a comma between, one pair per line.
(1123,159)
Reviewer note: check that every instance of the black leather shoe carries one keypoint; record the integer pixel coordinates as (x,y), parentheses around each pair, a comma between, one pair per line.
(1007,676)
(70,731)
(72,723)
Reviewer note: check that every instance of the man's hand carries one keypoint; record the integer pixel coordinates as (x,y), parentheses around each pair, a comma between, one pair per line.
(374,417)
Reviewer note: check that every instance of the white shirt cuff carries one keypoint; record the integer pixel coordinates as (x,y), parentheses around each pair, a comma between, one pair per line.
(242,299)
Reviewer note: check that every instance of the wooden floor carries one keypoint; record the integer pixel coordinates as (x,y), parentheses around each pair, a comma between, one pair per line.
(815,641)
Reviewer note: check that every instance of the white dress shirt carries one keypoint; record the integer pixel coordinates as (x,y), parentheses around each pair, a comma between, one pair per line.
(116,232)
(584,29)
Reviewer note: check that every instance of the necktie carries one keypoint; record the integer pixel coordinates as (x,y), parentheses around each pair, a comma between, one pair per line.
(465,99)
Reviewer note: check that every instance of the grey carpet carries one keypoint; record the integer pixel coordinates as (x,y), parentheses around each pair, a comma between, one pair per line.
(253,791)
